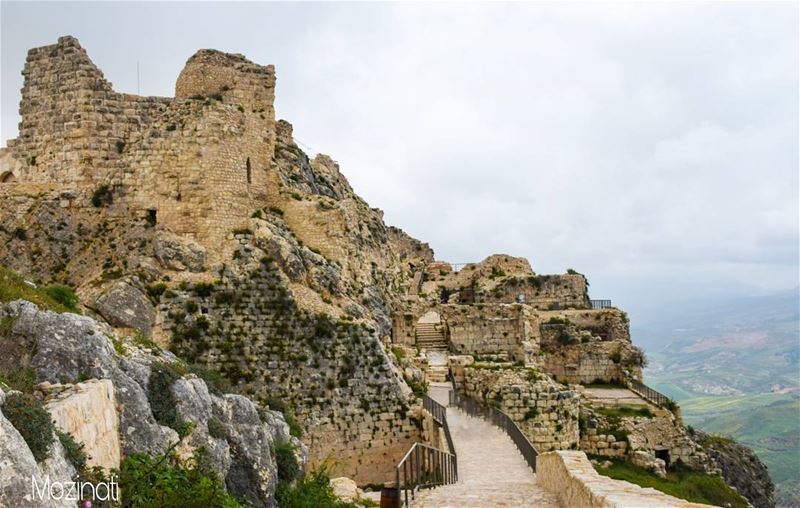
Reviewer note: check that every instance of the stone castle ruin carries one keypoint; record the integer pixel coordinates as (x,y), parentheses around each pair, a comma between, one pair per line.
(197,163)
(195,224)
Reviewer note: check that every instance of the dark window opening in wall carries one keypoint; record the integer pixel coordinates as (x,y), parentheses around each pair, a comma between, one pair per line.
(178,197)
(151,216)
(249,172)
(7,177)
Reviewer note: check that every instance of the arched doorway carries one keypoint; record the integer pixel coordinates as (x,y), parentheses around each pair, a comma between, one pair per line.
(430,317)
(7,177)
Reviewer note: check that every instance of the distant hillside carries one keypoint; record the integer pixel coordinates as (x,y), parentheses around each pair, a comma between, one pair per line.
(733,366)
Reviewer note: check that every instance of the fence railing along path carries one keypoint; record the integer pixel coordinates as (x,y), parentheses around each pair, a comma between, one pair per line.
(600,304)
(425,466)
(648,393)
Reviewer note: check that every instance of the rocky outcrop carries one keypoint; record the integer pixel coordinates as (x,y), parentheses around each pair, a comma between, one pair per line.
(236,434)
(741,469)
(125,304)
(18,469)
(176,252)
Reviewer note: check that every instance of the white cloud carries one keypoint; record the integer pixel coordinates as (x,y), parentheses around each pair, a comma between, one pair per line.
(656,141)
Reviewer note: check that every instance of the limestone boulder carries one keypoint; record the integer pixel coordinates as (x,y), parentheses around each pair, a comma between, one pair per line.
(125,304)
(88,412)
(180,253)
(346,489)
(69,347)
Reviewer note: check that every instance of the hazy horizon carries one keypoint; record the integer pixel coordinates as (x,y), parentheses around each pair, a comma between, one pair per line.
(653,147)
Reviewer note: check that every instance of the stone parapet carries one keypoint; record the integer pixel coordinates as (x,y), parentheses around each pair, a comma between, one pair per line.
(570,476)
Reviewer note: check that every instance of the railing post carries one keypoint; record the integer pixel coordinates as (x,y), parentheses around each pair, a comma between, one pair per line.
(418,467)
(405,480)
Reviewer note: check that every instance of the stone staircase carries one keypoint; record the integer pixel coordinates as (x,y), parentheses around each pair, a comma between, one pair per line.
(430,337)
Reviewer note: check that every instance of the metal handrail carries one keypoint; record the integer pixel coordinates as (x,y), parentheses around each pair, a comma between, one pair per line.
(600,304)
(648,393)
(439,413)
(498,418)
(421,279)
(423,466)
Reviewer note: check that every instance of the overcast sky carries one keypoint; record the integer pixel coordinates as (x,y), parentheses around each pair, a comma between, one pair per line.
(653,147)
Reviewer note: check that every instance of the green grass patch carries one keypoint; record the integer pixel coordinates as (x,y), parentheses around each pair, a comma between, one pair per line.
(13,287)
(23,380)
(682,482)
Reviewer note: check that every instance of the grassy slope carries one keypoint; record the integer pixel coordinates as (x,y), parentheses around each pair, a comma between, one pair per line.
(14,287)
(690,485)
(767,423)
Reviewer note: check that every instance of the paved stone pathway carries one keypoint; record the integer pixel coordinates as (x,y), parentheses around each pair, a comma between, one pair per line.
(492,472)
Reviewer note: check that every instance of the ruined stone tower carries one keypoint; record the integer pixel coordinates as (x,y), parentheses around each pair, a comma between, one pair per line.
(197,163)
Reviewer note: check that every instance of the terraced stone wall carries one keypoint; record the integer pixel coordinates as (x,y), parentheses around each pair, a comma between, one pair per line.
(334,373)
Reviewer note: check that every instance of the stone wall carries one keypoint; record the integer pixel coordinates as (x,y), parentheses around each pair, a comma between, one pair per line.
(572,478)
(498,331)
(488,330)
(541,291)
(585,346)
(333,372)
(547,413)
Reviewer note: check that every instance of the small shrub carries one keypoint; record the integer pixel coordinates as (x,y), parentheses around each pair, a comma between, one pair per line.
(531,413)
(615,356)
(242,231)
(572,272)
(217,429)
(288,469)
(191,306)
(156,290)
(32,421)
(23,380)
(216,382)
(74,451)
(103,196)
(163,481)
(120,146)
(171,127)
(314,491)
(203,289)
(162,402)
(276,210)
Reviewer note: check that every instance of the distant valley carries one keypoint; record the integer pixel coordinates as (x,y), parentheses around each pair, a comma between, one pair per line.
(733,367)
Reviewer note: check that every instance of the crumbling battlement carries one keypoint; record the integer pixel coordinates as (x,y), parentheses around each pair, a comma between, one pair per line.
(198,163)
